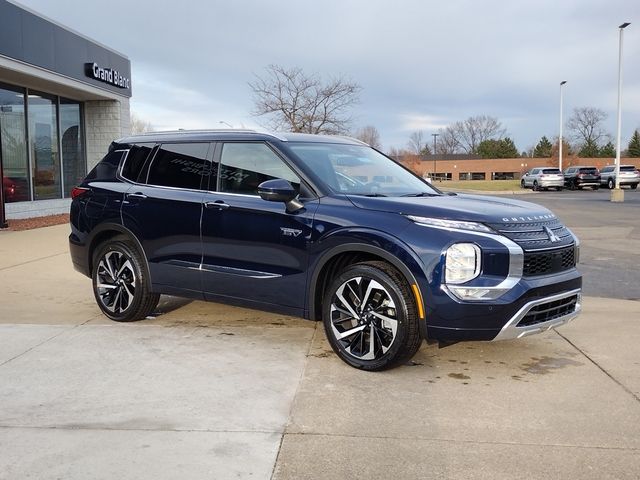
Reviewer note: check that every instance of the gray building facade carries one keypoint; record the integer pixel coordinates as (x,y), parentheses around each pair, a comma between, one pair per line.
(63,99)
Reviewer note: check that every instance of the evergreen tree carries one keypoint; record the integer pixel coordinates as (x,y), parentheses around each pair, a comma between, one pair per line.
(543,148)
(504,148)
(607,151)
(589,149)
(634,145)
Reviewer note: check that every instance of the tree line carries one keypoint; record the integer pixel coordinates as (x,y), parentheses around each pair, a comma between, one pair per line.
(290,99)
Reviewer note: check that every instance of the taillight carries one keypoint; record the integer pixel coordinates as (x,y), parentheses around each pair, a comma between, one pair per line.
(78,192)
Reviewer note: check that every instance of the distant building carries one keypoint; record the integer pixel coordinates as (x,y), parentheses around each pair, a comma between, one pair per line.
(468,167)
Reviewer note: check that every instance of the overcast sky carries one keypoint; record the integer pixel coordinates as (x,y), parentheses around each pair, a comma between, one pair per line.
(422,64)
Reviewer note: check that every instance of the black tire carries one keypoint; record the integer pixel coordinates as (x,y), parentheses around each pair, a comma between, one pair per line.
(559,189)
(572,185)
(633,186)
(611,184)
(596,187)
(391,294)
(121,285)
(535,186)
(522,185)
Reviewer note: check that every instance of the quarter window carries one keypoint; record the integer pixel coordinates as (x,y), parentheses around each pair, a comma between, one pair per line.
(134,163)
(244,166)
(180,165)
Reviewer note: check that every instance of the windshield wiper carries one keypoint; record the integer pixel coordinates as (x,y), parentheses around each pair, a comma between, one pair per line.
(421,194)
(372,194)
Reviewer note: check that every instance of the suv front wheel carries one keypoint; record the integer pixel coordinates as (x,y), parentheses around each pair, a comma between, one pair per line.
(120,283)
(370,318)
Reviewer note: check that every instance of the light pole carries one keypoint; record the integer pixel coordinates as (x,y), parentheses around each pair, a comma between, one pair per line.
(560,139)
(435,136)
(617,194)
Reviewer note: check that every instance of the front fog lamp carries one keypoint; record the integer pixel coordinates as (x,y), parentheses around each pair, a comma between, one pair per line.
(462,263)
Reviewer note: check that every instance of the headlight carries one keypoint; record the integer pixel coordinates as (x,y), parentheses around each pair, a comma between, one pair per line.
(452,224)
(462,263)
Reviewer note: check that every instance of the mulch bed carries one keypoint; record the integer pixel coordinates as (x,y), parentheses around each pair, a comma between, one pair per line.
(37,222)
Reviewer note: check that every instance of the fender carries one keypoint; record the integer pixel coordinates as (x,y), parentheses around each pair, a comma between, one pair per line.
(375,242)
(110,226)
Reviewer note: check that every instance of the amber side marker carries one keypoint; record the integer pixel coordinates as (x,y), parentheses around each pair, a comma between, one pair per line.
(416,293)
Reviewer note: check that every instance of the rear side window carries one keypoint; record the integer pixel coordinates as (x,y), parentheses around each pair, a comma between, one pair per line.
(106,170)
(627,168)
(551,171)
(244,166)
(180,165)
(134,163)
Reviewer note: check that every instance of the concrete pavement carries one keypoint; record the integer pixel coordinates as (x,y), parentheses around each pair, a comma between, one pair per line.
(211,391)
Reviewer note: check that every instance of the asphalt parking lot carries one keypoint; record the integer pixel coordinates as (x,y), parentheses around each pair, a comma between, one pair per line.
(210,391)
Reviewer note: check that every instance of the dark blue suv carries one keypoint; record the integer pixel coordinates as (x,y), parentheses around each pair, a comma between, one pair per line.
(321,227)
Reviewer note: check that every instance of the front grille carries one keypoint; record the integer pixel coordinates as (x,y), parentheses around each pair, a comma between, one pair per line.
(546,312)
(533,236)
(547,262)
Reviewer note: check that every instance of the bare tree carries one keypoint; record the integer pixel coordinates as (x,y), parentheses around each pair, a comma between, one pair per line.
(417,145)
(370,136)
(296,101)
(138,125)
(473,131)
(586,125)
(447,142)
(398,153)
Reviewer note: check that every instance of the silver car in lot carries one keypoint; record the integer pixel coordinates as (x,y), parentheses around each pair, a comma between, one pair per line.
(543,178)
(629,175)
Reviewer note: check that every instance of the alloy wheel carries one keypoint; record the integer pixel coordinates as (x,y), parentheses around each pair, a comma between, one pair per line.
(363,318)
(116,281)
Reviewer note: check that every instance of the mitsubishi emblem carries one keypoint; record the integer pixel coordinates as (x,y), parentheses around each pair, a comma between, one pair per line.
(552,236)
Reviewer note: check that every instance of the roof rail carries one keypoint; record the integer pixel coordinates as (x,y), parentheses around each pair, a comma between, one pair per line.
(211,130)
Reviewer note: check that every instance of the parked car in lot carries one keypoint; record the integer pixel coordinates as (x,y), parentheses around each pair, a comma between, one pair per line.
(579,177)
(543,178)
(629,176)
(280,222)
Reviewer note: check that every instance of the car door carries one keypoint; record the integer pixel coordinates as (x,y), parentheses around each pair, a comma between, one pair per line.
(164,211)
(252,248)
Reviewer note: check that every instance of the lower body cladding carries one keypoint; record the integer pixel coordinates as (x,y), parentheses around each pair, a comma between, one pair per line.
(533,305)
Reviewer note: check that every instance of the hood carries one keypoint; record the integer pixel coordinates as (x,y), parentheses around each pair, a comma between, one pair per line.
(472,208)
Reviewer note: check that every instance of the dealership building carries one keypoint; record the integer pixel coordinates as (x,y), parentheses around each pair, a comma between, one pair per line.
(63,99)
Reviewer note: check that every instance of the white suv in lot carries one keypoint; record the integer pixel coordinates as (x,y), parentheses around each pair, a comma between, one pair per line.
(629,175)
(543,178)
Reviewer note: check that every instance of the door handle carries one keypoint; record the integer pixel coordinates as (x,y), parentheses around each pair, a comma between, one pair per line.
(219,204)
(139,195)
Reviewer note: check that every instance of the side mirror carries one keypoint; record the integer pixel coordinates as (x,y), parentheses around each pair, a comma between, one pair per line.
(279,190)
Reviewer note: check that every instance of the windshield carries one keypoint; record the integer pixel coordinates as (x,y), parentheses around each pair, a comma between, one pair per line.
(360,170)
(590,170)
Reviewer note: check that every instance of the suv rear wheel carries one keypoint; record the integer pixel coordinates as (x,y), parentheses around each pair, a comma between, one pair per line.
(611,183)
(120,282)
(370,318)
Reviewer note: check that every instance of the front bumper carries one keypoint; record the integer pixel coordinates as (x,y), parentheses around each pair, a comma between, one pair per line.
(554,311)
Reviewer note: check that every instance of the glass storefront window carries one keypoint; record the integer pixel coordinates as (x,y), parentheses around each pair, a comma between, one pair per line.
(43,145)
(13,145)
(73,159)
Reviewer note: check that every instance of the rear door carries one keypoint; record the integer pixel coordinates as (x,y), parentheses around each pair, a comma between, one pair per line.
(253,249)
(164,210)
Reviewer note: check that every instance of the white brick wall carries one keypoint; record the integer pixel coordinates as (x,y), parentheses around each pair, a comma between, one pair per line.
(105,120)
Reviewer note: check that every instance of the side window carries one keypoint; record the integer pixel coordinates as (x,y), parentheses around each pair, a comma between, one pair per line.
(180,165)
(107,168)
(134,163)
(244,166)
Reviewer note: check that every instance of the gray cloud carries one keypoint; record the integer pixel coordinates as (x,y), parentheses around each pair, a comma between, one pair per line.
(421,63)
